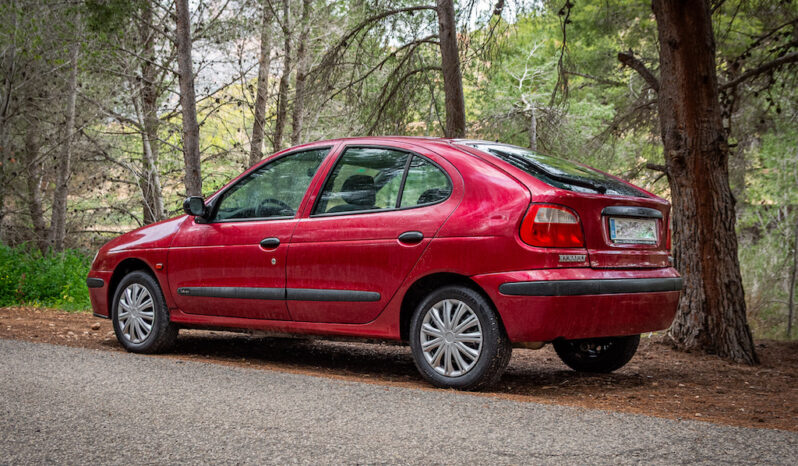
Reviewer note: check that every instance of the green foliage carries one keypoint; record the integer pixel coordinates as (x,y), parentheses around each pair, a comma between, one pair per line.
(30,277)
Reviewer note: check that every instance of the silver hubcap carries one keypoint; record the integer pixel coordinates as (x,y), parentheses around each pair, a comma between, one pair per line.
(136,313)
(451,338)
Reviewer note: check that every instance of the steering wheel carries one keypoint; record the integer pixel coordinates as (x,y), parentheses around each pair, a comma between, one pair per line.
(274,207)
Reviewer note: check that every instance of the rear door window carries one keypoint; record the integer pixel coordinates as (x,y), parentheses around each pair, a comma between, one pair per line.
(368,179)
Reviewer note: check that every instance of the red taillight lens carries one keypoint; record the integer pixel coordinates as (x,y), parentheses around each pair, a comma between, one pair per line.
(552,226)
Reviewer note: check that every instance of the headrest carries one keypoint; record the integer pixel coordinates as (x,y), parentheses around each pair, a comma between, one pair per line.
(359,190)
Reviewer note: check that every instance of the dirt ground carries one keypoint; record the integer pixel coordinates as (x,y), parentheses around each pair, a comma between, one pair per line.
(658,381)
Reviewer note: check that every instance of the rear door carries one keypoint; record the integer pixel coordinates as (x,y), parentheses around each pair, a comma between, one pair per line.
(376,212)
(234,264)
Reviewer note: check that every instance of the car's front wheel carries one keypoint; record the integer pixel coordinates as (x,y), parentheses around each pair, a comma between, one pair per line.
(140,316)
(597,354)
(457,339)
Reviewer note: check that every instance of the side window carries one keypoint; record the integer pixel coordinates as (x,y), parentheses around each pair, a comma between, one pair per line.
(274,190)
(365,178)
(425,184)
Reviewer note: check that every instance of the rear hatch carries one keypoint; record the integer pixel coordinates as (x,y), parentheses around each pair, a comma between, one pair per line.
(624,226)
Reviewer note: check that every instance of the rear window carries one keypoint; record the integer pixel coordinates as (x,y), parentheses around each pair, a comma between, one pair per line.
(557,172)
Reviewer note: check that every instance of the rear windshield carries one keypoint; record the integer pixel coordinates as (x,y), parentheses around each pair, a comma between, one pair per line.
(557,172)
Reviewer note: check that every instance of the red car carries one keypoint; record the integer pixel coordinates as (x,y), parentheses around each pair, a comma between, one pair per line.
(463,248)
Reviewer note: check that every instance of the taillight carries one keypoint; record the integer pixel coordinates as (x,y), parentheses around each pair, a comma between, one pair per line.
(552,226)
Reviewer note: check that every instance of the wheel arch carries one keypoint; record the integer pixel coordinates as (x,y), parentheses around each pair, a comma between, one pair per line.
(126,266)
(428,283)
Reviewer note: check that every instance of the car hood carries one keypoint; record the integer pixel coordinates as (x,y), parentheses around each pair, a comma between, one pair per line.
(156,235)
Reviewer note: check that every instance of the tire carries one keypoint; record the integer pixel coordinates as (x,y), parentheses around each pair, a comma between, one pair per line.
(466,370)
(599,355)
(131,319)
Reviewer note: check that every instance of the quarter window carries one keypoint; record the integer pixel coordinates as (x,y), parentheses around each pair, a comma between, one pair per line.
(425,184)
(272,191)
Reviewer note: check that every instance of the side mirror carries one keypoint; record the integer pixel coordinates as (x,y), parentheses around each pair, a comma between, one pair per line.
(195,205)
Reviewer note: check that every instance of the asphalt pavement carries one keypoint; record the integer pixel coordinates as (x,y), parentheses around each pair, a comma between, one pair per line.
(61,405)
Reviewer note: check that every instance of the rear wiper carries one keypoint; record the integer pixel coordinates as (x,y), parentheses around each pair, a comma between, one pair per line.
(554,176)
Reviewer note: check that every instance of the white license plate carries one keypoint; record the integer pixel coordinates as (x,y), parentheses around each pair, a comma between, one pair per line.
(633,230)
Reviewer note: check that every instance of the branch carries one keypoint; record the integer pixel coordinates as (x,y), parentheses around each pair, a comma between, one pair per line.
(395,90)
(609,82)
(657,167)
(344,41)
(789,58)
(629,59)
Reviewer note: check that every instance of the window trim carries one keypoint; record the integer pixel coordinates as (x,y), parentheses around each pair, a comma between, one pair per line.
(396,208)
(217,199)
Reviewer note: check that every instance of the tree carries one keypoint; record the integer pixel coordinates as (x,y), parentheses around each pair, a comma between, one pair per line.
(282,91)
(264,66)
(712,312)
(188,104)
(450,68)
(64,167)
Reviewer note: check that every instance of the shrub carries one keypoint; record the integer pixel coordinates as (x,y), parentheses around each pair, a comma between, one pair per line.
(28,276)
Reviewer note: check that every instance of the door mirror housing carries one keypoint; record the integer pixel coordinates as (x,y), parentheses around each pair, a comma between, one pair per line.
(195,205)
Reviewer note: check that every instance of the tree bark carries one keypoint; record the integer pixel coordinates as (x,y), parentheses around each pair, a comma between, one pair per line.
(34,186)
(264,65)
(152,193)
(301,73)
(712,313)
(793,276)
(533,128)
(450,65)
(191,153)
(64,166)
(282,93)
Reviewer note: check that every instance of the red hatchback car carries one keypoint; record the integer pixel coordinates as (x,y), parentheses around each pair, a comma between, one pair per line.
(463,248)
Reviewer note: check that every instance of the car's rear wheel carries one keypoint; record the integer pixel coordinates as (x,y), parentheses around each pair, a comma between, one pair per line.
(457,340)
(140,316)
(597,354)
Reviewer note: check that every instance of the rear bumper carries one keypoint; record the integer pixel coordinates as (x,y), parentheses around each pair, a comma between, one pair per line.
(542,305)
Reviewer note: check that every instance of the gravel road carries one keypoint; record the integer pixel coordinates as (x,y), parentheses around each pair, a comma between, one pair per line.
(68,405)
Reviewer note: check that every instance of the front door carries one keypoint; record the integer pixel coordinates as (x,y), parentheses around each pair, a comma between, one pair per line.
(233,264)
(376,213)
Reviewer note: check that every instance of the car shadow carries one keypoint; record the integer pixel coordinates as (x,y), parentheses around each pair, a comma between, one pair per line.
(530,372)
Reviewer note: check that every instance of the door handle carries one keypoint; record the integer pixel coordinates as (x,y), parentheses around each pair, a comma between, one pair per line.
(411,237)
(269,243)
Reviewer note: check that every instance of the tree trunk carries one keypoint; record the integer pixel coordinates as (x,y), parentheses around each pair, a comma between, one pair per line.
(452,77)
(63,168)
(712,314)
(793,275)
(533,128)
(301,71)
(34,185)
(264,64)
(152,193)
(191,154)
(282,93)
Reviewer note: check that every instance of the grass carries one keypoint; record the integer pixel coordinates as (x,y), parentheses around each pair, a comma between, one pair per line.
(57,280)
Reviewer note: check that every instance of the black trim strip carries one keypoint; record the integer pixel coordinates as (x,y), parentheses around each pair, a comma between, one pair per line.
(92,282)
(233,292)
(590,287)
(100,316)
(631,211)
(278,294)
(308,294)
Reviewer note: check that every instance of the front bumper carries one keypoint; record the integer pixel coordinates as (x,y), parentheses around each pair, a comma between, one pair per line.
(543,305)
(98,283)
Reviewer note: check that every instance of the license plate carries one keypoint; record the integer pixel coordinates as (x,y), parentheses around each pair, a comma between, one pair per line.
(633,230)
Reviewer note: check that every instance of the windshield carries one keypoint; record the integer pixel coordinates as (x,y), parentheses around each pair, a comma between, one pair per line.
(557,172)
